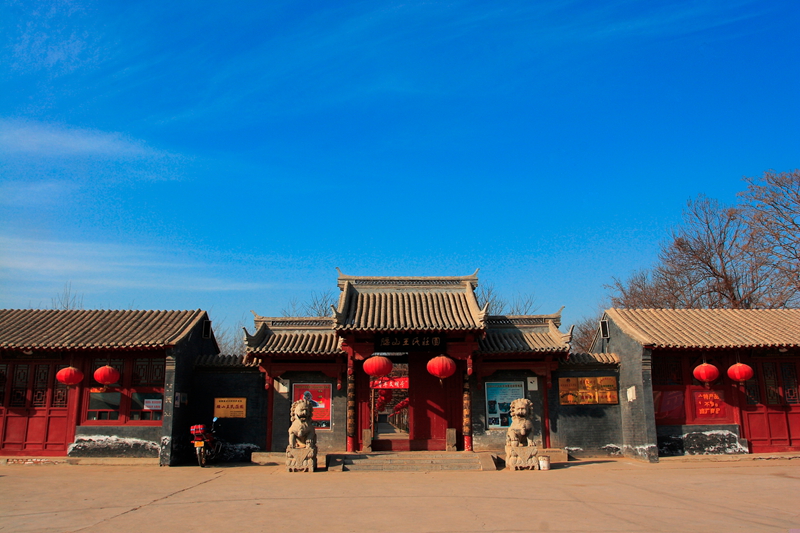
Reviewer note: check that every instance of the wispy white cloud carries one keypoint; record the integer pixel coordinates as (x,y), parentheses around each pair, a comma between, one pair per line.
(103,267)
(51,140)
(40,151)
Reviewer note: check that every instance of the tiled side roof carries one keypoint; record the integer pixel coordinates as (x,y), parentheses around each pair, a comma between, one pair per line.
(222,361)
(523,334)
(710,328)
(583,359)
(297,342)
(45,329)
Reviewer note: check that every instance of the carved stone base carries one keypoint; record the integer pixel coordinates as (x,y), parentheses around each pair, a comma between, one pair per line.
(522,458)
(301,459)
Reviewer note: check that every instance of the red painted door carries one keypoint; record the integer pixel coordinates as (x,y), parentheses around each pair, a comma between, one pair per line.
(33,414)
(771,407)
(431,405)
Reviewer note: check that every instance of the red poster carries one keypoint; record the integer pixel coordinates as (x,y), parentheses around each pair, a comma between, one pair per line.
(320,396)
(708,404)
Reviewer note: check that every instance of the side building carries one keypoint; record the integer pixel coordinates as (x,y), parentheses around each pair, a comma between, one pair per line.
(706,381)
(143,359)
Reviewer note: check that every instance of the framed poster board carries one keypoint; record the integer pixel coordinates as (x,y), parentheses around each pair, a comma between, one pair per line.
(499,396)
(320,395)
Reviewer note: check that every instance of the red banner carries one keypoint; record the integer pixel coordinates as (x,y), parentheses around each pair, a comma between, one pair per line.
(389,383)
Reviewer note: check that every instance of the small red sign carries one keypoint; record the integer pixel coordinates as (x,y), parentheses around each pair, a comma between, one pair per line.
(389,383)
(708,404)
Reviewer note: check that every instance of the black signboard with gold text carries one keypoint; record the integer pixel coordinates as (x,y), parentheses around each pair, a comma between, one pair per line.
(391,342)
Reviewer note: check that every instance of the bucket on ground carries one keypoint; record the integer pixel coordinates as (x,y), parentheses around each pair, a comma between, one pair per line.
(544,462)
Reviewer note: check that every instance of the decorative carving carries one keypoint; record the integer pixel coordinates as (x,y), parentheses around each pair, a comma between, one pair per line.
(301,454)
(520,449)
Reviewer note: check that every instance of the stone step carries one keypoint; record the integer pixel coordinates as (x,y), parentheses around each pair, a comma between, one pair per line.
(408,462)
(358,467)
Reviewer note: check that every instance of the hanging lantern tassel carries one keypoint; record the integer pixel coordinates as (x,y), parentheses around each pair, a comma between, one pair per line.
(706,373)
(740,372)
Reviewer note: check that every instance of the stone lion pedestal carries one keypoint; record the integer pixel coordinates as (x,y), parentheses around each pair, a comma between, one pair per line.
(522,458)
(301,459)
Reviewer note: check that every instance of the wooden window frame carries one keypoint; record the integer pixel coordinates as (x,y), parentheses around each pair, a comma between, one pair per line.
(126,390)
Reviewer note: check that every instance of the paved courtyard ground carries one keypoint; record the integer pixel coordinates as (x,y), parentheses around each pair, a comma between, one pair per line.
(587,496)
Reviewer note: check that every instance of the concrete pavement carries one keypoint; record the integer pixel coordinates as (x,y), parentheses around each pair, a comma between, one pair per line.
(600,495)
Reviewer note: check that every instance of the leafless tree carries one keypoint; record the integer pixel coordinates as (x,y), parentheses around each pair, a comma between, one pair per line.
(584,332)
(67,299)
(230,339)
(773,207)
(521,304)
(319,304)
(715,259)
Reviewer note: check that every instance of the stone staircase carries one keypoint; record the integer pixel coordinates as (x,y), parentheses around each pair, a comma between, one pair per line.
(409,461)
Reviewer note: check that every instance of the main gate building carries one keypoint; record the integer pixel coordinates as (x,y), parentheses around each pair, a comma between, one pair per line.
(410,321)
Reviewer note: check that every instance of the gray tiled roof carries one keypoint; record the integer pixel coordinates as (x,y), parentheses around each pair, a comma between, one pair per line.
(580,359)
(408,304)
(45,329)
(523,334)
(710,328)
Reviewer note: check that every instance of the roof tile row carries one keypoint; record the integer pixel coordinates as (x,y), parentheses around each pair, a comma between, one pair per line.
(46,329)
(710,328)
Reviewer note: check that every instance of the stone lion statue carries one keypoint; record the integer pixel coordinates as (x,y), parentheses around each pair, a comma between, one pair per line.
(519,434)
(520,449)
(301,453)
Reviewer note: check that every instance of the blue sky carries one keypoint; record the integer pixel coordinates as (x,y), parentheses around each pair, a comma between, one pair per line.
(180,155)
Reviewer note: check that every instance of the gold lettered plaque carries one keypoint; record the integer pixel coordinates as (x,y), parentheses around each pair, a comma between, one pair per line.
(588,390)
(230,407)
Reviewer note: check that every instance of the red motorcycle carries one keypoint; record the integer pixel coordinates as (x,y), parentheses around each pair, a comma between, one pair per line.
(206,446)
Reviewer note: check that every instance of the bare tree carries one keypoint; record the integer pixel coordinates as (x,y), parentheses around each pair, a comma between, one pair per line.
(773,208)
(715,259)
(230,339)
(521,304)
(67,299)
(318,305)
(584,332)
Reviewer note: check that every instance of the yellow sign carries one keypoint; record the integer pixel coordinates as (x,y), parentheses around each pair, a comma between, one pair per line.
(230,407)
(588,390)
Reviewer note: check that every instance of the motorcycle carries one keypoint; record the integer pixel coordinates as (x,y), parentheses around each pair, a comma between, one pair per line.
(206,446)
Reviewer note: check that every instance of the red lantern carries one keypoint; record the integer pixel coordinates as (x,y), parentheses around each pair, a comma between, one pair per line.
(69,376)
(740,372)
(106,375)
(378,366)
(385,395)
(442,366)
(706,373)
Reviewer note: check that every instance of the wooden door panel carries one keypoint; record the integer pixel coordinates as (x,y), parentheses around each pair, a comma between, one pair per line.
(794,427)
(778,428)
(757,427)
(37,432)
(14,435)
(56,431)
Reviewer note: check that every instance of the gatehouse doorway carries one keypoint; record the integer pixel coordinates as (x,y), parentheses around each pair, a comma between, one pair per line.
(411,409)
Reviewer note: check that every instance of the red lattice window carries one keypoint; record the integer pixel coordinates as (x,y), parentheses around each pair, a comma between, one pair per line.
(138,397)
